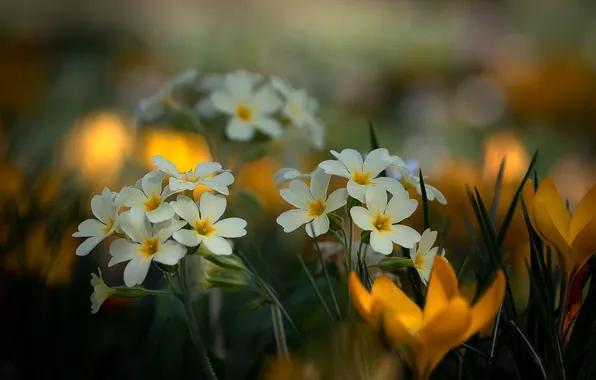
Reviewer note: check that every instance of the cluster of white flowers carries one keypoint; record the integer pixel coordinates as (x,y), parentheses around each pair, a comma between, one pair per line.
(385,199)
(155,221)
(253,103)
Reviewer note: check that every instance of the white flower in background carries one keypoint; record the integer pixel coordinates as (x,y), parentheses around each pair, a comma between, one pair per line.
(423,254)
(312,204)
(362,174)
(394,172)
(335,251)
(285,175)
(381,219)
(250,110)
(147,243)
(151,197)
(101,292)
(208,174)
(206,227)
(411,181)
(300,109)
(212,82)
(105,208)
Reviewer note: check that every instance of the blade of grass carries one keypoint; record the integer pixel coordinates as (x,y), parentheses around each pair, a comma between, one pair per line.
(424,200)
(494,207)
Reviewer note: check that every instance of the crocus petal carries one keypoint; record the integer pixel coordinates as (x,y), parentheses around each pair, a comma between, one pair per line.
(186,208)
(163,212)
(404,236)
(87,246)
(164,165)
(334,167)
(583,214)
(336,200)
(212,206)
(351,158)
(169,253)
(362,218)
(136,271)
(292,219)
(189,238)
(362,300)
(356,191)
(487,307)
(230,228)
(393,298)
(547,227)
(320,225)
(399,209)
(217,245)
(583,246)
(90,227)
(442,287)
(237,129)
(123,250)
(319,183)
(553,205)
(381,242)
(376,161)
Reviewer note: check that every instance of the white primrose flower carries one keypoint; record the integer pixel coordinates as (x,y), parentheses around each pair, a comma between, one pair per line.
(101,292)
(312,204)
(105,208)
(206,226)
(300,109)
(212,82)
(285,175)
(381,219)
(411,181)
(208,174)
(362,174)
(249,109)
(147,243)
(150,195)
(423,254)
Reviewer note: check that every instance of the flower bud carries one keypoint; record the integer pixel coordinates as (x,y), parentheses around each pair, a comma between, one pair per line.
(393,263)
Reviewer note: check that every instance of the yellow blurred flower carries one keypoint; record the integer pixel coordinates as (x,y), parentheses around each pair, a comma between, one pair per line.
(59,270)
(289,369)
(425,336)
(257,177)
(505,145)
(571,236)
(184,149)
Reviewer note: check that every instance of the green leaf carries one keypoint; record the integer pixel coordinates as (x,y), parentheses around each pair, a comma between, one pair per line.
(374,143)
(494,207)
(390,264)
(424,200)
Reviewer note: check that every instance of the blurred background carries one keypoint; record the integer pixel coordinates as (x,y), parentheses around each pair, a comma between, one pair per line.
(455,85)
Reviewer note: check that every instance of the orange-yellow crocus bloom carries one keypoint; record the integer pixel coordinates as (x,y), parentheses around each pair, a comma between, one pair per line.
(425,336)
(571,236)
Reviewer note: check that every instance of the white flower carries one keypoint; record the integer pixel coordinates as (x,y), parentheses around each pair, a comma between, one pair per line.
(362,174)
(249,110)
(147,243)
(313,204)
(208,174)
(101,292)
(151,197)
(300,109)
(206,227)
(411,181)
(381,219)
(105,208)
(285,175)
(423,255)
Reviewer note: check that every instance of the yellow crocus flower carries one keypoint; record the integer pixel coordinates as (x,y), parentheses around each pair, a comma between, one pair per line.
(571,236)
(425,336)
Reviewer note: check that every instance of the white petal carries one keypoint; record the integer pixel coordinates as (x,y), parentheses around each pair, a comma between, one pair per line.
(336,200)
(351,158)
(427,240)
(161,213)
(356,191)
(399,209)
(123,250)
(424,273)
(223,102)
(294,199)
(238,130)
(212,207)
(376,200)
(393,186)
(186,208)
(376,162)
(169,253)
(269,127)
(217,245)
(317,130)
(398,161)
(335,167)
(319,184)
(90,227)
(135,224)
(265,101)
(230,228)
(292,219)
(240,83)
(438,195)
(135,197)
(362,218)
(177,185)
(102,208)
(205,169)
(164,165)
(189,238)
(87,246)
(381,242)
(136,271)
(320,226)
(165,229)
(403,235)
(151,183)
(220,183)
(301,190)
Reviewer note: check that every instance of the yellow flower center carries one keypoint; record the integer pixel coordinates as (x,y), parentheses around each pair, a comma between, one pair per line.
(150,247)
(316,208)
(244,113)
(108,226)
(204,227)
(361,178)
(419,261)
(295,111)
(407,185)
(382,223)
(152,203)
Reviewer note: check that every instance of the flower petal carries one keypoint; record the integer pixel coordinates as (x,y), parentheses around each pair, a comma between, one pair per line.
(438,195)
(442,287)
(87,246)
(265,101)
(376,200)
(335,167)
(189,238)
(583,246)
(336,200)
(319,183)
(356,191)
(164,165)
(240,83)
(135,224)
(230,228)
(399,209)
(162,213)
(164,230)
(238,130)
(186,208)
(102,208)
(123,250)
(170,253)
(135,197)
(223,102)
(301,190)
(269,127)
(583,214)
(220,182)
(319,225)
(151,183)
(393,298)
(292,219)
(427,240)
(362,218)
(392,185)
(217,245)
(90,227)
(205,169)
(351,158)
(487,306)
(212,206)
(381,242)
(376,161)
(136,271)
(362,300)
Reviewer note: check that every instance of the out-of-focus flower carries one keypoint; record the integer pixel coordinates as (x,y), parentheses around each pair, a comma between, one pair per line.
(250,110)
(12,181)
(411,181)
(312,204)
(571,236)
(362,174)
(257,178)
(105,208)
(423,254)
(287,368)
(382,218)
(183,149)
(147,243)
(207,228)
(505,145)
(101,292)
(300,109)
(59,271)
(573,177)
(335,252)
(285,175)
(424,337)
(151,197)
(208,174)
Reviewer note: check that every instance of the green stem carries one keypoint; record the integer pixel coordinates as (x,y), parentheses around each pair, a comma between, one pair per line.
(278,331)
(349,256)
(315,287)
(159,292)
(327,278)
